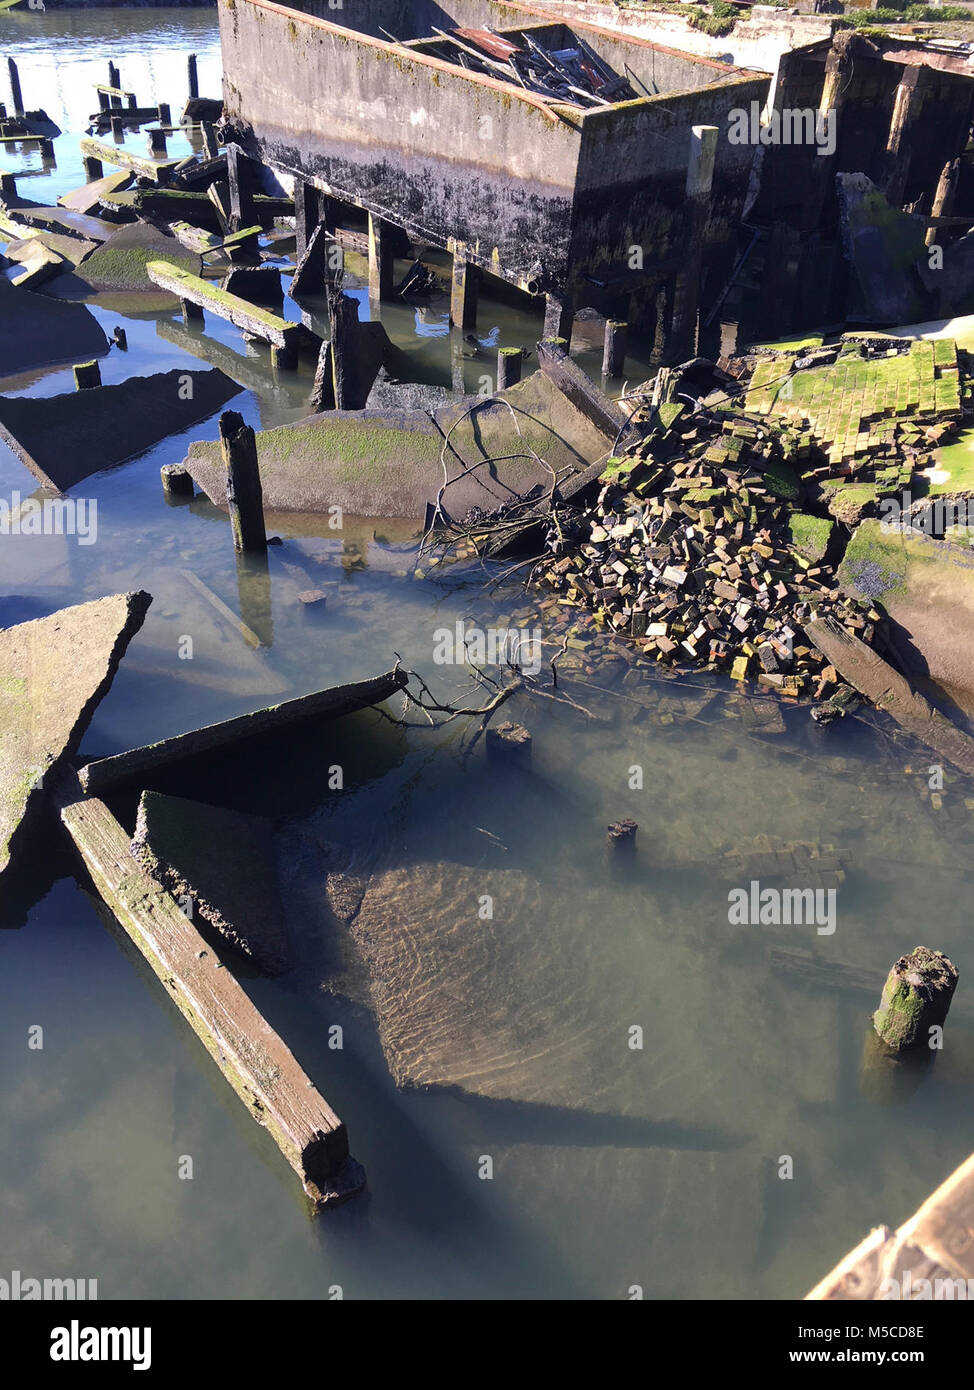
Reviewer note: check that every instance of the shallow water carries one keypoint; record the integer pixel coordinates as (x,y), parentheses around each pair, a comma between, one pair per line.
(662,1172)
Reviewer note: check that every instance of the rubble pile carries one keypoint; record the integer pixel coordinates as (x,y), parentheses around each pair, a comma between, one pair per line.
(695,550)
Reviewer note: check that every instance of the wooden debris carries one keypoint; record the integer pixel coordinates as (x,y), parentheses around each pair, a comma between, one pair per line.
(916,998)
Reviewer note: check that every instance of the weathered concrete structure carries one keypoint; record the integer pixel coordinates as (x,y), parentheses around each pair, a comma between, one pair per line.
(583,205)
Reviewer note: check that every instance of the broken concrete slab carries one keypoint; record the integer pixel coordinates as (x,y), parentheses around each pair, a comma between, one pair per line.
(39,332)
(39,262)
(883,244)
(927,588)
(391,463)
(138,763)
(53,673)
(87,199)
(64,439)
(120,264)
(27,216)
(889,691)
(67,248)
(224,862)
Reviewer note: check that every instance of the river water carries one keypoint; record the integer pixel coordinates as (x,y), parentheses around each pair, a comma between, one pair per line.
(737,1152)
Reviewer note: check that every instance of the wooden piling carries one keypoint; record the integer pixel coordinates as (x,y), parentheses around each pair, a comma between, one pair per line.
(509,363)
(464,289)
(559,313)
(682,340)
(176,480)
(157,142)
(165,113)
(87,375)
(943,198)
(916,998)
(381,263)
(245,497)
(15,92)
(621,836)
(614,347)
(94,169)
(118,128)
(241,181)
(192,313)
(114,76)
(193,76)
(307,213)
(508,743)
(211,146)
(120,337)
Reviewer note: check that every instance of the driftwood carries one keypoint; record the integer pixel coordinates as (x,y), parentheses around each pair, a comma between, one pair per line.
(251,1056)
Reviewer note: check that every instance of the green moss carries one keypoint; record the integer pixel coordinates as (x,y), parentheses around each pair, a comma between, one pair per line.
(810,534)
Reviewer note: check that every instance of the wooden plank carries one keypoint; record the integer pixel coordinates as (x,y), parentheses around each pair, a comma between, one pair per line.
(819,971)
(889,691)
(225,612)
(249,317)
(158,170)
(322,704)
(253,1059)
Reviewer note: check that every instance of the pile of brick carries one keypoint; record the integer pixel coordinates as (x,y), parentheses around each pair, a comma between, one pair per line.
(695,551)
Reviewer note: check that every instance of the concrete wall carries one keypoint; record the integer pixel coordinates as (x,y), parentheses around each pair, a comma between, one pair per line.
(449,154)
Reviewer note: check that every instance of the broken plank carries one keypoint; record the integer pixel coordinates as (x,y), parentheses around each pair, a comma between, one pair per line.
(158,170)
(260,322)
(252,1057)
(225,612)
(888,690)
(322,704)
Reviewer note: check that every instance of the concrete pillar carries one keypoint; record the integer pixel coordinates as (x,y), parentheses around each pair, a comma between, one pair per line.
(614,347)
(381,261)
(465,288)
(696,212)
(240,174)
(899,142)
(194,82)
(15,92)
(559,312)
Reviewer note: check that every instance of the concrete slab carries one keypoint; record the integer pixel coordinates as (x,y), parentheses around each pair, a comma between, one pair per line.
(120,264)
(927,588)
(389,463)
(64,439)
(53,672)
(224,861)
(39,332)
(67,248)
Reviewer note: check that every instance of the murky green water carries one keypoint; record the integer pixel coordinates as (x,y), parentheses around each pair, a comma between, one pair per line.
(663,1172)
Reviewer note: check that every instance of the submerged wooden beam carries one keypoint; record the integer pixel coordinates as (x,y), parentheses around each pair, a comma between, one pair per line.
(260,1068)
(244,315)
(889,691)
(322,704)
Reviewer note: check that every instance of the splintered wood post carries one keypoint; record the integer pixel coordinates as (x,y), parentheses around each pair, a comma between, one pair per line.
(194,82)
(86,375)
(614,347)
(118,128)
(509,361)
(559,314)
(323,391)
(157,142)
(943,198)
(307,213)
(277,1092)
(94,168)
(245,496)
(464,289)
(381,263)
(165,113)
(343,319)
(508,743)
(916,998)
(211,146)
(114,76)
(241,180)
(15,92)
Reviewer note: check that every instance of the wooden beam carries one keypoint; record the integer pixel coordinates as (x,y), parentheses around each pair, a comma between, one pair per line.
(249,317)
(253,1059)
(158,170)
(140,763)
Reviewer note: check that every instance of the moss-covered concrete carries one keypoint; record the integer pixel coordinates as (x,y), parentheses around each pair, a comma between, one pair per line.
(53,672)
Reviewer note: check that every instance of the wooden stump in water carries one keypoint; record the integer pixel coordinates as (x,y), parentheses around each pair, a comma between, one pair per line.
(508,742)
(916,998)
(622,836)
